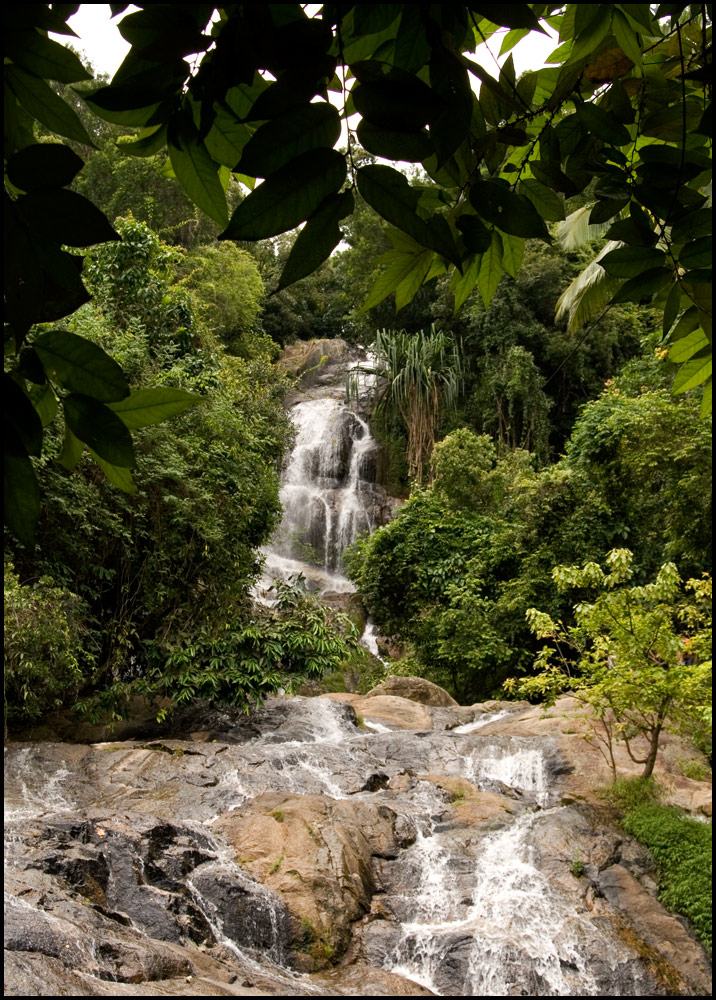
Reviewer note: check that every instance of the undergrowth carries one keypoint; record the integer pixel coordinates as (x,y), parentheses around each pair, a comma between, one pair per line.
(680,846)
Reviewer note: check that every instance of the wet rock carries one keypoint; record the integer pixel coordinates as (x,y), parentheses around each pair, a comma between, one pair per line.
(315,853)
(366,980)
(305,839)
(317,361)
(400,713)
(682,962)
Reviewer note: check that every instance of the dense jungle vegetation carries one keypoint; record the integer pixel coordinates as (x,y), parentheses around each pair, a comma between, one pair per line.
(134,538)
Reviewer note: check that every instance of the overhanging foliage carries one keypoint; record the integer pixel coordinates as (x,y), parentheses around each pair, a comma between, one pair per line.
(620,116)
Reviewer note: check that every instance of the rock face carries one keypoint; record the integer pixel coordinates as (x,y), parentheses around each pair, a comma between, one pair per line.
(335,846)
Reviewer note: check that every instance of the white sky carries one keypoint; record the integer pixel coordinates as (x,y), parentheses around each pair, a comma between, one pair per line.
(104,47)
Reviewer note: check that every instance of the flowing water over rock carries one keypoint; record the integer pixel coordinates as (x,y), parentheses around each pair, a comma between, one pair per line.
(329,490)
(421,860)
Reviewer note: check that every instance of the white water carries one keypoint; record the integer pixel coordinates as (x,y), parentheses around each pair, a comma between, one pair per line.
(524,770)
(520,932)
(326,493)
(38,794)
(484,720)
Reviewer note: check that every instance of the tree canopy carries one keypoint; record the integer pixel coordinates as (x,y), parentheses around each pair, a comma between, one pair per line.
(618,120)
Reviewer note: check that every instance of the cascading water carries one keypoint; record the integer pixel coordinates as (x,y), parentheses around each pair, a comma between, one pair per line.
(464,903)
(329,492)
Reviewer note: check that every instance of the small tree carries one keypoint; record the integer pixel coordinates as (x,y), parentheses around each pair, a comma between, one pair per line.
(422,379)
(643,654)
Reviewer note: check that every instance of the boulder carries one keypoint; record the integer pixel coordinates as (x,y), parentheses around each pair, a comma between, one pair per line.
(414,689)
(315,854)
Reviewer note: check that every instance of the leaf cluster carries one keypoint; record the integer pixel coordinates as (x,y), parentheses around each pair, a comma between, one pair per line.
(619,117)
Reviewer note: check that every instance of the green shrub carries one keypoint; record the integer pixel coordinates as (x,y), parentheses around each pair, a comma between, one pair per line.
(44,663)
(682,849)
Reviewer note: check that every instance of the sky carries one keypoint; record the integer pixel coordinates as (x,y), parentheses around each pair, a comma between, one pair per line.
(104,47)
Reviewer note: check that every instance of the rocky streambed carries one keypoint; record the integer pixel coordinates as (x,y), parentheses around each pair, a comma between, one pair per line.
(336,846)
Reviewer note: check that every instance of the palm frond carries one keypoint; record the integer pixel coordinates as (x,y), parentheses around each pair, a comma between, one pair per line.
(588,294)
(574,231)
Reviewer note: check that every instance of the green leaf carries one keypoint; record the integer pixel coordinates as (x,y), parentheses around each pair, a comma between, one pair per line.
(692,374)
(549,174)
(602,124)
(626,37)
(510,212)
(688,346)
(412,49)
(513,252)
(370,19)
(512,38)
(72,449)
(408,287)
(288,197)
(45,402)
(605,210)
(397,102)
(150,141)
(100,429)
(514,15)
(318,238)
(65,217)
(477,237)
(21,416)
(697,254)
(411,147)
(164,31)
(44,57)
(81,366)
(274,144)
(143,407)
(118,475)
(35,15)
(627,262)
(43,165)
(467,281)
(644,286)
(389,193)
(688,322)
(588,40)
(227,138)
(706,401)
(30,367)
(449,79)
(584,14)
(401,241)
(671,309)
(400,264)
(40,101)
(195,170)
(21,498)
(668,123)
(549,205)
(629,231)
(490,272)
(693,225)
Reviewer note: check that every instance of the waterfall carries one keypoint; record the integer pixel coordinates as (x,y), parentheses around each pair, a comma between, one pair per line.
(328,493)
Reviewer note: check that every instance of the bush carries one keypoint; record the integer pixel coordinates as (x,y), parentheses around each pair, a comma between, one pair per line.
(240,664)
(44,660)
(682,849)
